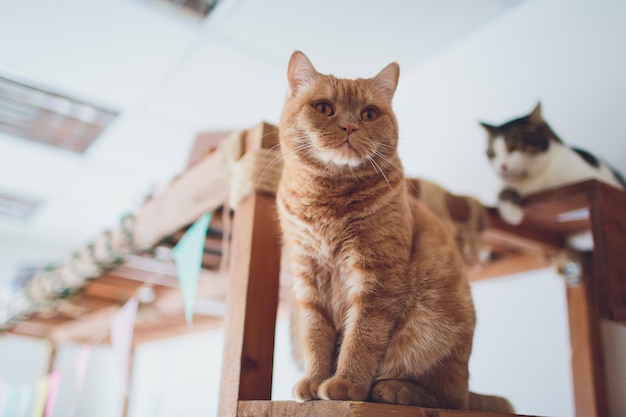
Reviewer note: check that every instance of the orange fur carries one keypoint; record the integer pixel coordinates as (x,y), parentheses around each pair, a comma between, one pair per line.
(381,305)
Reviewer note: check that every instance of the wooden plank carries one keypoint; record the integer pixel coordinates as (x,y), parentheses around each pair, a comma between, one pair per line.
(541,210)
(525,236)
(31,329)
(587,355)
(205,144)
(89,328)
(608,217)
(161,330)
(506,264)
(202,188)
(114,293)
(348,409)
(49,318)
(252,298)
(117,281)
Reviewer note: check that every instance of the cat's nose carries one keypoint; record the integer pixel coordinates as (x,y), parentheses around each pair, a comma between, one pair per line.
(348,128)
(504,168)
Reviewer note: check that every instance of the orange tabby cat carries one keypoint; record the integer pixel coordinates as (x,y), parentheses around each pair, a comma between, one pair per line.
(382,307)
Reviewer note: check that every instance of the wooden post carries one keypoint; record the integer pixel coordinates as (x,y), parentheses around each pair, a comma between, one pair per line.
(587,356)
(252,298)
(602,294)
(609,238)
(52,355)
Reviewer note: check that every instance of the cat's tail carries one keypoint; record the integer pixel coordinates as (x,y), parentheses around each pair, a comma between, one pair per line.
(493,403)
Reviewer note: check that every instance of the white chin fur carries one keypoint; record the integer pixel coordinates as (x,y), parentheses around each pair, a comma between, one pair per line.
(340,158)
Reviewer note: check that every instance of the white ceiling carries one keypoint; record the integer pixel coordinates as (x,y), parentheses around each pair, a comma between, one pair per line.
(171,77)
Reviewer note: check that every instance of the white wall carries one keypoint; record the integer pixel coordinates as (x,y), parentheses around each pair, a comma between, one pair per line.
(522,346)
(101,394)
(16,253)
(178,377)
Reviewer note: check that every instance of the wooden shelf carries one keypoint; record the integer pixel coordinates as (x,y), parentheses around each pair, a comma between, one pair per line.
(526,246)
(600,291)
(347,409)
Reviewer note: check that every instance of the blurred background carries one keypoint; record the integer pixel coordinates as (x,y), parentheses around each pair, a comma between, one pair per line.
(101,101)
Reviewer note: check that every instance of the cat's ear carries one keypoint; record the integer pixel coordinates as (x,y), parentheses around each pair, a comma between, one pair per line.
(386,80)
(491,130)
(535,116)
(300,72)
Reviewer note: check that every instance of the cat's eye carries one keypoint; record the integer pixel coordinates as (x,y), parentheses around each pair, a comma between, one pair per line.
(324,108)
(369,115)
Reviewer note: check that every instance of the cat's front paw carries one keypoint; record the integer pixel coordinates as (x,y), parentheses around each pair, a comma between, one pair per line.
(306,389)
(511,212)
(399,391)
(510,206)
(338,388)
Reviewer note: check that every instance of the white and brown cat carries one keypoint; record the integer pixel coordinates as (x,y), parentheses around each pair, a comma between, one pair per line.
(382,309)
(529,157)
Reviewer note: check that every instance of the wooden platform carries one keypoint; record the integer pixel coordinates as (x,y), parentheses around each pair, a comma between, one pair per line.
(347,409)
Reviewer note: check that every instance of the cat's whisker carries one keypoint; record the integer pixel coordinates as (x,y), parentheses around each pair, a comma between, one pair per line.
(271,133)
(377,167)
(387,159)
(273,148)
(268,167)
(281,157)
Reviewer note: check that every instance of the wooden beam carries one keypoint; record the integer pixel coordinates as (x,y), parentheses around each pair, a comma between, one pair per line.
(608,219)
(508,263)
(90,327)
(527,238)
(202,188)
(588,372)
(164,330)
(349,409)
(253,295)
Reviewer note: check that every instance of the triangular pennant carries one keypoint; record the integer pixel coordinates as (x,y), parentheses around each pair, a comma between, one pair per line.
(80,364)
(122,337)
(54,381)
(41,392)
(188,257)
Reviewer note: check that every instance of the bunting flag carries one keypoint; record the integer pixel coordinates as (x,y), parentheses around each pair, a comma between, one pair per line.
(54,381)
(41,393)
(122,337)
(35,399)
(82,360)
(16,399)
(187,255)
